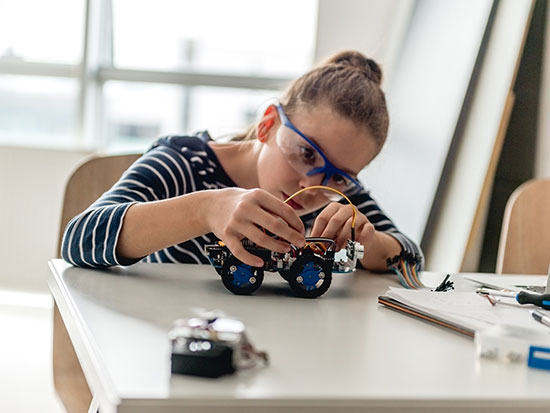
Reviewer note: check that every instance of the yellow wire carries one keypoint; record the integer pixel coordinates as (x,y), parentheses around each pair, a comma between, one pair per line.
(328,188)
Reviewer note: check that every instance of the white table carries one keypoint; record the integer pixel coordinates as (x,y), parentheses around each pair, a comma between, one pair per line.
(340,352)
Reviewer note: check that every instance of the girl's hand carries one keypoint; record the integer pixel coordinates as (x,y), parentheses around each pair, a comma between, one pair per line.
(335,222)
(239,213)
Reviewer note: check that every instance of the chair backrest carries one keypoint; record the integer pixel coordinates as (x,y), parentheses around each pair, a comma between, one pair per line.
(88,182)
(525,238)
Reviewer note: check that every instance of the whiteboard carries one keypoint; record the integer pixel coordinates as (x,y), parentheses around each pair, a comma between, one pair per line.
(428,87)
(457,229)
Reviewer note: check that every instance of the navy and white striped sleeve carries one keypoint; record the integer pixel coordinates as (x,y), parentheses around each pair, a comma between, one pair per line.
(368,206)
(91,237)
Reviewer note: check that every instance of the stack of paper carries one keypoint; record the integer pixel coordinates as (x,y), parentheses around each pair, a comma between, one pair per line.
(465,312)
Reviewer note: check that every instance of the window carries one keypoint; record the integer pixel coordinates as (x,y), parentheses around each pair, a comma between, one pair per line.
(32,30)
(38,109)
(240,36)
(144,68)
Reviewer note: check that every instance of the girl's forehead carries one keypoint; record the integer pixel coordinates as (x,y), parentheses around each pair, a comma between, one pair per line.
(346,144)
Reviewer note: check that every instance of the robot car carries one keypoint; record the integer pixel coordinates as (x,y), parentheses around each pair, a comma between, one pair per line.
(308,270)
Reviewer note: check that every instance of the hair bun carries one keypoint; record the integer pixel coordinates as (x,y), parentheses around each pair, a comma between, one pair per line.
(359,62)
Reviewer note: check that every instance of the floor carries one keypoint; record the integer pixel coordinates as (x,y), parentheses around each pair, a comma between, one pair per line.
(26,383)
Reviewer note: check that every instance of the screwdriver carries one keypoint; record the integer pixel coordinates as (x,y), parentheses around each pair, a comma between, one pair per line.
(522,297)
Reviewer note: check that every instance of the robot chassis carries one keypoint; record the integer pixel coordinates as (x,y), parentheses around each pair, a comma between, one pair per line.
(308,270)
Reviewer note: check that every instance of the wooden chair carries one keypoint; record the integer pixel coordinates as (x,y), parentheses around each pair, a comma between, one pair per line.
(91,179)
(525,238)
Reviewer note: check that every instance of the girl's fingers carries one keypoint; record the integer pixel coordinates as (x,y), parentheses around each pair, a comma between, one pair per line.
(323,219)
(260,238)
(280,228)
(343,235)
(237,249)
(286,212)
(336,223)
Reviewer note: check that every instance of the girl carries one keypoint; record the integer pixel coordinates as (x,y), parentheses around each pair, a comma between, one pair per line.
(189,191)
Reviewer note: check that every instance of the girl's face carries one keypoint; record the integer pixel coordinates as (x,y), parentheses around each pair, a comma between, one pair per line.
(347,146)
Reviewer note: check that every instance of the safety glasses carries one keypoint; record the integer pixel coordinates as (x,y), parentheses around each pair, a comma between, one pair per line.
(305,157)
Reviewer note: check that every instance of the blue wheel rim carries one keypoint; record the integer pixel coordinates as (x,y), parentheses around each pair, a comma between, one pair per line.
(310,274)
(242,275)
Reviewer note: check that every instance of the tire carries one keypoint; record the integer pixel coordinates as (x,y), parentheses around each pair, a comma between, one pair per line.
(285,274)
(240,278)
(310,276)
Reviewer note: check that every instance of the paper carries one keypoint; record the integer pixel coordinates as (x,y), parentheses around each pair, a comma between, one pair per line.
(467,308)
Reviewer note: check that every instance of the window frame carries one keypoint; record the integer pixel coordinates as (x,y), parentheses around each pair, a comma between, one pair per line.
(96,65)
(96,68)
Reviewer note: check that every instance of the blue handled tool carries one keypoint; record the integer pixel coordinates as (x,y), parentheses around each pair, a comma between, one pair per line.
(522,297)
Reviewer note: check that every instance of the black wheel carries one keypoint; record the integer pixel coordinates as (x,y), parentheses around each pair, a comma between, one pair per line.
(240,278)
(310,276)
(285,274)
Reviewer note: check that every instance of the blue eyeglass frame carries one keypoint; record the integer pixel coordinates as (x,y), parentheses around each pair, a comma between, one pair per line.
(328,169)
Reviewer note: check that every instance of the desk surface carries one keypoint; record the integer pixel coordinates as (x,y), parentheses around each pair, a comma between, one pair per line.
(341,351)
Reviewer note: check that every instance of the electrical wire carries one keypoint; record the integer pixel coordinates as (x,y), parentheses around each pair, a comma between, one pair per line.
(406,266)
(328,188)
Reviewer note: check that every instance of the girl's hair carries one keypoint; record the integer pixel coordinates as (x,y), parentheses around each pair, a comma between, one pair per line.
(349,83)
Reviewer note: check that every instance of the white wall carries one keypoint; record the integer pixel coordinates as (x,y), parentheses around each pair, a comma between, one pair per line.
(32,182)
(455,241)
(373,27)
(425,99)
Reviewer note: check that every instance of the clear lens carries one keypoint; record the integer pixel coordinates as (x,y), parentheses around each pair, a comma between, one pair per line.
(340,183)
(299,154)
(303,158)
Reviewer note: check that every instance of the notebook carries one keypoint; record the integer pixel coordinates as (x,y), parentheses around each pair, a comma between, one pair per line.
(462,312)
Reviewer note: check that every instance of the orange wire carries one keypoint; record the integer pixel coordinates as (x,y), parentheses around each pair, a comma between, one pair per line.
(415,277)
(317,247)
(406,276)
(328,188)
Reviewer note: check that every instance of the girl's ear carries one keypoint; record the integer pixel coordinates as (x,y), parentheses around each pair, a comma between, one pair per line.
(266,123)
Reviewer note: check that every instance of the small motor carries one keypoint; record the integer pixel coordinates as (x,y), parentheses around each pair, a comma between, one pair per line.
(354,251)
(211,347)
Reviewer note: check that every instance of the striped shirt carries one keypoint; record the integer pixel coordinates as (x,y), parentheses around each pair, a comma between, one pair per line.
(173,166)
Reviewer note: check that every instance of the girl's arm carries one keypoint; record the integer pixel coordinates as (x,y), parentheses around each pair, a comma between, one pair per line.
(231,214)
(378,249)
(152,226)
(158,203)
(91,238)
(373,229)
